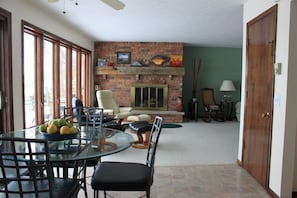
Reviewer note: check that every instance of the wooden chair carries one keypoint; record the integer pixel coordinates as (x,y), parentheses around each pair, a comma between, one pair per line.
(211,109)
(40,181)
(126,176)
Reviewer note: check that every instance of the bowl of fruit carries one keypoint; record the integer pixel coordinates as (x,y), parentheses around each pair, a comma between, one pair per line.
(58,129)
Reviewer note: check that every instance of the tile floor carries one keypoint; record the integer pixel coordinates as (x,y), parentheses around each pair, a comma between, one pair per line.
(203,181)
(191,176)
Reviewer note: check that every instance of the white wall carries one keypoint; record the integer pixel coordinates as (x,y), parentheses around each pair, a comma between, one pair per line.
(284,113)
(292,98)
(22,10)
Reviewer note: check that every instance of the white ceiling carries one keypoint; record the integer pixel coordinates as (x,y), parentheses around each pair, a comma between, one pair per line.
(214,23)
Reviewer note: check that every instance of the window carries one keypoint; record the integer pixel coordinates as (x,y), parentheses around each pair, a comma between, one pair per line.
(29,80)
(48,97)
(54,71)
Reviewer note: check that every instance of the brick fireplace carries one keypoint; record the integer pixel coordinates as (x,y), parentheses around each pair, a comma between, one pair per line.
(121,77)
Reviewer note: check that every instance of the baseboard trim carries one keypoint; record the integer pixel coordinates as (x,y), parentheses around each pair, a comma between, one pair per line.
(272,193)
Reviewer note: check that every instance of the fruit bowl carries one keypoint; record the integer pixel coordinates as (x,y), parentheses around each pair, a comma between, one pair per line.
(58,136)
(58,129)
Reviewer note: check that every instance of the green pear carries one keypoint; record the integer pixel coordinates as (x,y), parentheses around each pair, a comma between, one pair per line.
(43,127)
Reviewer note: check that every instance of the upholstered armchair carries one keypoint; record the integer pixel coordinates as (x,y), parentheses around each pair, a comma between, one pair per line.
(106,101)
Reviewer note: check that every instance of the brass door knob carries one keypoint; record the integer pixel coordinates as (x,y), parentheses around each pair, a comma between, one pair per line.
(266,115)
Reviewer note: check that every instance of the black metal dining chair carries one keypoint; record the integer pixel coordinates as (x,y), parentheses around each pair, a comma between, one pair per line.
(82,115)
(127,176)
(89,120)
(40,181)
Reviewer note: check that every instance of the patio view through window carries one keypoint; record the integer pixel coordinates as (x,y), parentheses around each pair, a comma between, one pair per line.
(54,71)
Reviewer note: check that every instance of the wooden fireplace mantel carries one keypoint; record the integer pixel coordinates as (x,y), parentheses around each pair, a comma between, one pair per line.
(150,70)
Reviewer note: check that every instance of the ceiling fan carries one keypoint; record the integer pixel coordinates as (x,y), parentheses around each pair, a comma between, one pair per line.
(115,4)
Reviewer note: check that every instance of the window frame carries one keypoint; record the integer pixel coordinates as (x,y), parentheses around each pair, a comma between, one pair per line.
(41,35)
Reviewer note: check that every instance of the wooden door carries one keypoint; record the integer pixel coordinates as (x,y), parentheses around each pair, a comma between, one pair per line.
(6,99)
(261,33)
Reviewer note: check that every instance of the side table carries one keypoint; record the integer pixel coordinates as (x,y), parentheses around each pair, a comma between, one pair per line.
(193,110)
(228,107)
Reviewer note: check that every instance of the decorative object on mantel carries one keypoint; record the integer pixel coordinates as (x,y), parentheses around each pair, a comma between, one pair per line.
(136,64)
(145,62)
(110,63)
(196,66)
(176,60)
(123,57)
(101,62)
(159,60)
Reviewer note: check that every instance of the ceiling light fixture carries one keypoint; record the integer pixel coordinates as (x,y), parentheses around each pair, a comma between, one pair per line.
(64,5)
(115,4)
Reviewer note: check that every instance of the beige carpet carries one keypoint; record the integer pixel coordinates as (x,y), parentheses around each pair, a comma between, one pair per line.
(194,143)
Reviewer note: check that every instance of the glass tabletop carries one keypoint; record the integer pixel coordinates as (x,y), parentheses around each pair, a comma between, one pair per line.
(88,143)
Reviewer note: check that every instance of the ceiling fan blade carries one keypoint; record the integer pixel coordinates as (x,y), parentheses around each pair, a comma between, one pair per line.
(115,4)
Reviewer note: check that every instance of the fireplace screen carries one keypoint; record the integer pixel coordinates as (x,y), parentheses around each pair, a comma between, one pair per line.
(149,96)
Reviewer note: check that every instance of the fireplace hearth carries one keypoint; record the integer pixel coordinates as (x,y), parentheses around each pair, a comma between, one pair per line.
(149,97)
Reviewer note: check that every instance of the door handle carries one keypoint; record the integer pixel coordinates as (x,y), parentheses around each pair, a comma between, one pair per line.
(266,115)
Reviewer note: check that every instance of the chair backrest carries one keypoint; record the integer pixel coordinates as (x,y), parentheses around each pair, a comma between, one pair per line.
(82,114)
(106,100)
(88,119)
(75,113)
(95,118)
(77,104)
(35,153)
(153,142)
(207,95)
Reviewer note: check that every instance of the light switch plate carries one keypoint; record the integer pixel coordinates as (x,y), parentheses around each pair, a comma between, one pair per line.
(278,68)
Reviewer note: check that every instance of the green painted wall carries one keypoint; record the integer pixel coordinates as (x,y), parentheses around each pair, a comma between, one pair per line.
(217,64)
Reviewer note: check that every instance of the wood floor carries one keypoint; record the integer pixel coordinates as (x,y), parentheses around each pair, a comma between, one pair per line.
(201,181)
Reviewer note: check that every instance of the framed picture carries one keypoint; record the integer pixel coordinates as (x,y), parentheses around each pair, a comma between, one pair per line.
(123,57)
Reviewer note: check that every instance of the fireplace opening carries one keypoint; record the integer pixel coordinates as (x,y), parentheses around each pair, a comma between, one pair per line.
(149,96)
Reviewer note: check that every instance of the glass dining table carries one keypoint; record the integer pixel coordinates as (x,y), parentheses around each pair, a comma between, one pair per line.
(88,143)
